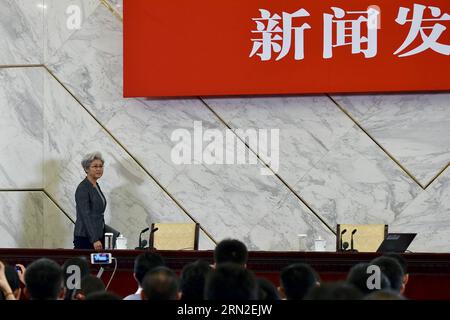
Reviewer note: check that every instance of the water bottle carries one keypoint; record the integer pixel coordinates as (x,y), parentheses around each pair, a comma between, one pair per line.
(121,242)
(320,244)
(108,241)
(302,242)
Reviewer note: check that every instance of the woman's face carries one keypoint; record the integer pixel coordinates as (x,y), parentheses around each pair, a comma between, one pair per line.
(95,170)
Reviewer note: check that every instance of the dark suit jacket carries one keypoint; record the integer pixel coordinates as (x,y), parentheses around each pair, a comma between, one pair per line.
(90,212)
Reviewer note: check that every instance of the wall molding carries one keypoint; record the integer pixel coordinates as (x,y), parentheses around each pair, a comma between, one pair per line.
(111,8)
(41,190)
(379,145)
(284,182)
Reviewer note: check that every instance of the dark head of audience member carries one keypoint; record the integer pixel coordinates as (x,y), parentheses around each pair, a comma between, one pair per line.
(146,262)
(231,250)
(72,266)
(384,295)
(296,280)
(44,280)
(102,295)
(230,281)
(193,279)
(160,283)
(403,264)
(13,280)
(365,280)
(266,290)
(393,270)
(334,291)
(143,264)
(89,285)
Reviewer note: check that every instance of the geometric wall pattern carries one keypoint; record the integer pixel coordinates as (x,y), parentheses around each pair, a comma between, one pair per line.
(343,159)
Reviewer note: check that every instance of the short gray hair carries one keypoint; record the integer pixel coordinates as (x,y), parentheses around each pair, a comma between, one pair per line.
(89,158)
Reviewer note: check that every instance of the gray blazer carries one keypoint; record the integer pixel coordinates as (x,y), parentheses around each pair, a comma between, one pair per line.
(90,212)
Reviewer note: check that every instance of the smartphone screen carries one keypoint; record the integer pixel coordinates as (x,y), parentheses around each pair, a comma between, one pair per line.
(101,258)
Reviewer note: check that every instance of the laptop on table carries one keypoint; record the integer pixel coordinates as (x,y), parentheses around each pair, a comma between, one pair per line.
(396,242)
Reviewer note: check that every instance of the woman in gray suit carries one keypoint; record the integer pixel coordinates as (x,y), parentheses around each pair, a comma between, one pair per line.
(91,204)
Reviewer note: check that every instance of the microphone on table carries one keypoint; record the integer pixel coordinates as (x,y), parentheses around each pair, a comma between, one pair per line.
(142,244)
(151,233)
(341,246)
(351,242)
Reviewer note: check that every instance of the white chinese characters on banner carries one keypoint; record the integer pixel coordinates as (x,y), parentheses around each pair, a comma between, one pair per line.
(272,34)
(428,41)
(276,32)
(351,35)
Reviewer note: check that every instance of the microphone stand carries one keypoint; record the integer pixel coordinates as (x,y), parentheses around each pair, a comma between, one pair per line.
(351,241)
(140,247)
(150,238)
(341,247)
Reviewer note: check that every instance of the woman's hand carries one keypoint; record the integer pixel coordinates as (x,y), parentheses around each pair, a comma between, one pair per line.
(98,245)
(4,285)
(21,273)
(3,281)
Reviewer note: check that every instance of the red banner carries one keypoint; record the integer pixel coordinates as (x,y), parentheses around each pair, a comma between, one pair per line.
(236,47)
